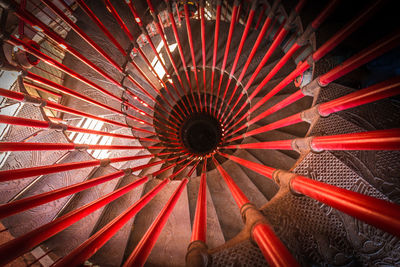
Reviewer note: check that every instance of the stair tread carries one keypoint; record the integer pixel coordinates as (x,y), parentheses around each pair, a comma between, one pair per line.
(170,248)
(270,157)
(111,253)
(244,182)
(28,220)
(214,236)
(62,243)
(228,212)
(264,184)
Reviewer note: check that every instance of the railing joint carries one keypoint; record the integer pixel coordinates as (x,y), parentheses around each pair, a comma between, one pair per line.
(81,147)
(104,162)
(305,36)
(312,88)
(310,115)
(37,102)
(127,171)
(302,145)
(283,179)
(59,127)
(197,254)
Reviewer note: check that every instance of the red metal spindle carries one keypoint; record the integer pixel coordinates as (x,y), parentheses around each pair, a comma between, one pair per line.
(266,57)
(367,95)
(262,12)
(71,92)
(136,46)
(181,169)
(50,61)
(334,41)
(191,45)
(166,47)
(377,212)
(23,244)
(257,167)
(284,103)
(180,49)
(96,241)
(121,23)
(380,213)
(9,175)
(203,49)
(216,35)
(96,20)
(81,33)
(373,140)
(260,38)
(142,251)
(364,96)
(237,194)
(149,40)
(17,146)
(279,144)
(178,13)
(200,218)
(48,125)
(227,48)
(271,247)
(239,51)
(17,206)
(169,166)
(296,118)
(139,22)
(366,55)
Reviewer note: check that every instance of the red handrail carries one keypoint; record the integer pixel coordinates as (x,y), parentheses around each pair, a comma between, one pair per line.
(377,212)
(367,95)
(380,213)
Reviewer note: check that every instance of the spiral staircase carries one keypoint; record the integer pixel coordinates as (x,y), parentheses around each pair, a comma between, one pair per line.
(199,133)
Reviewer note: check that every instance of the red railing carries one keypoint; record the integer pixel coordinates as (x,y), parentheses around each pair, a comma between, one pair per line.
(380,213)
(272,248)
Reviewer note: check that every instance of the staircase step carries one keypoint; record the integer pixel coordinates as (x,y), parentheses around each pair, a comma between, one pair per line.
(276,135)
(214,235)
(62,243)
(228,212)
(28,220)
(111,253)
(270,157)
(24,159)
(244,182)
(265,185)
(170,248)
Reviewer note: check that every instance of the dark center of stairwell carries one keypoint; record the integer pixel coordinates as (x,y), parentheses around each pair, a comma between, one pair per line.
(201,133)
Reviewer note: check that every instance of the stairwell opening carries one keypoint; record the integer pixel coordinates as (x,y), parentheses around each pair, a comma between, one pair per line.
(201,133)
